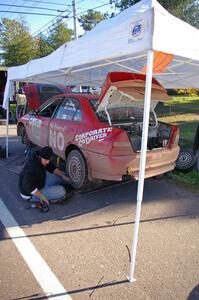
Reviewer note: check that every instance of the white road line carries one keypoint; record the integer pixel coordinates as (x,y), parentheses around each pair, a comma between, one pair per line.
(41,271)
(10,139)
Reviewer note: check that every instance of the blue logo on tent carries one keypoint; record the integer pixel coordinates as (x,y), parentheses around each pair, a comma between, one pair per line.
(136,30)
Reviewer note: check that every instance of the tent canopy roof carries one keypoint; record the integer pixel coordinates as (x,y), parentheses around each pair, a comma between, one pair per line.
(121,44)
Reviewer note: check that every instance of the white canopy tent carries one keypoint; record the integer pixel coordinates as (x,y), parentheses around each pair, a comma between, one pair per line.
(120,44)
(143,37)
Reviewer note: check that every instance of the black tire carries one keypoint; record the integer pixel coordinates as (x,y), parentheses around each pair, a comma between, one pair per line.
(76,169)
(24,139)
(185,160)
(21,131)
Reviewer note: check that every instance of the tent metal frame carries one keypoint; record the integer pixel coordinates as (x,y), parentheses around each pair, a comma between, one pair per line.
(147,100)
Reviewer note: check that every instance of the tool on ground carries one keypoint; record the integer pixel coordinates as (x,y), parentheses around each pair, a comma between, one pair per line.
(42,206)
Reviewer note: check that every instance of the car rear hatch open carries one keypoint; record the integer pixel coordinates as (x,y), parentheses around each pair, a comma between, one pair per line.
(121,103)
(122,89)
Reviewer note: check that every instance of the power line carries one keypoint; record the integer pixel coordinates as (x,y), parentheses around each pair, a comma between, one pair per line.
(26,6)
(29,13)
(56,17)
(35,3)
(105,4)
(80,1)
(45,2)
(39,30)
(60,15)
(13,3)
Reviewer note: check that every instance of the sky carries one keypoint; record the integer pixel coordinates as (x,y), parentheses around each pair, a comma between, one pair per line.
(40,23)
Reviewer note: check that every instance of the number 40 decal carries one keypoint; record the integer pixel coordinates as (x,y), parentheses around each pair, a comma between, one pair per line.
(56,140)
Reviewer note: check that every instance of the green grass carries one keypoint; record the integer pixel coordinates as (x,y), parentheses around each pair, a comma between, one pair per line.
(190,179)
(187,124)
(178,105)
(183,111)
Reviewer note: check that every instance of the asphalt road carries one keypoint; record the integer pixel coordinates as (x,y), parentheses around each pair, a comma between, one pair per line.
(85,243)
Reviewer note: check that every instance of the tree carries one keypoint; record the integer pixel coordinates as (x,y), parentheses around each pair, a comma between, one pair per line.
(59,35)
(16,43)
(187,10)
(43,47)
(89,20)
(170,5)
(191,14)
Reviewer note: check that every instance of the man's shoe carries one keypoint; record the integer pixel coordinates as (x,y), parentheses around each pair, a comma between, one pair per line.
(65,200)
(69,195)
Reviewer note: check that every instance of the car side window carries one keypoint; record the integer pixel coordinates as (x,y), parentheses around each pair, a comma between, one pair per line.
(48,110)
(69,110)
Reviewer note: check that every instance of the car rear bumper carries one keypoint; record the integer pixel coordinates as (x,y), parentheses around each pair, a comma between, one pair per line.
(115,167)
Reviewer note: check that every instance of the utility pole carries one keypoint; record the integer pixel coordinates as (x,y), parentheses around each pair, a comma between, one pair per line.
(75,19)
(75,30)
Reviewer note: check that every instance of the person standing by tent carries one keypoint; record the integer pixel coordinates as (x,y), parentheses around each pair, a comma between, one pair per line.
(42,182)
(21,103)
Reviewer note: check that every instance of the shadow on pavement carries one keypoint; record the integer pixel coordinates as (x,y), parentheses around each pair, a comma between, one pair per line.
(83,229)
(194,295)
(86,289)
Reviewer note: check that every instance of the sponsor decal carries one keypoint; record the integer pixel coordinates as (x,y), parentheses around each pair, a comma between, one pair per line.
(92,135)
(136,31)
(36,128)
(56,140)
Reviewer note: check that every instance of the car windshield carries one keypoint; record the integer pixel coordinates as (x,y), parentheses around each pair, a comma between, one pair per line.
(124,114)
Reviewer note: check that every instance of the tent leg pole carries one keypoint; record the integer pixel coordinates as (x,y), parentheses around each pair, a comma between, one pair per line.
(7,128)
(147,101)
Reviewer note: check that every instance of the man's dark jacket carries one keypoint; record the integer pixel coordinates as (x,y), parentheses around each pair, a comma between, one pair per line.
(33,175)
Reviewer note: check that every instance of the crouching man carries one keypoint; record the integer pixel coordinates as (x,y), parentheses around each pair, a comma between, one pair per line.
(41,187)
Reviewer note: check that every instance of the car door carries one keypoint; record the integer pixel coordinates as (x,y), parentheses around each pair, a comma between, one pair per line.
(64,125)
(39,122)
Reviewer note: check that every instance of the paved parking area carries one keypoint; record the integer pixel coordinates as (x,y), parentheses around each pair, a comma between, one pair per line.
(12,129)
(85,243)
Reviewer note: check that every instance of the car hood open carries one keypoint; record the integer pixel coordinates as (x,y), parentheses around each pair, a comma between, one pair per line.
(122,89)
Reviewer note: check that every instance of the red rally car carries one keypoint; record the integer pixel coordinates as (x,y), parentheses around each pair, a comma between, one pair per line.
(99,137)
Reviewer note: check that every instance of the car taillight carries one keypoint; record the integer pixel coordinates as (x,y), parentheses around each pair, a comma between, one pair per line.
(174,137)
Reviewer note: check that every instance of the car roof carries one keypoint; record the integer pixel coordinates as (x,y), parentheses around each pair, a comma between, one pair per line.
(78,95)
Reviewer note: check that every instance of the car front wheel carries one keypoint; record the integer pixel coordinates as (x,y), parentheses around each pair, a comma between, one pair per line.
(76,169)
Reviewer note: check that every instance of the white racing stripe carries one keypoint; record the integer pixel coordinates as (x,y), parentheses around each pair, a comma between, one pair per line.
(41,271)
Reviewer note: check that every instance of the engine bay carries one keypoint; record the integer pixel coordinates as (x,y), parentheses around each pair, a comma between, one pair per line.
(158,134)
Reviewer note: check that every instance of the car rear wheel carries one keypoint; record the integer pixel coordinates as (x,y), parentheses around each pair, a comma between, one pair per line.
(185,160)
(21,131)
(25,140)
(76,169)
